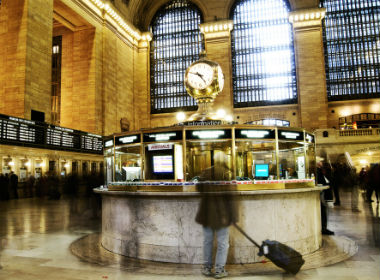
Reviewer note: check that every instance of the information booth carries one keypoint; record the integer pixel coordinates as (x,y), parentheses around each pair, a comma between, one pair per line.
(251,154)
(151,198)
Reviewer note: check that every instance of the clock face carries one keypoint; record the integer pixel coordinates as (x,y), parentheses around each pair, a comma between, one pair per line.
(220,78)
(200,75)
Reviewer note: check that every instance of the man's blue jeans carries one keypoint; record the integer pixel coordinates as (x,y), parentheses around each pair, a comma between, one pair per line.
(222,236)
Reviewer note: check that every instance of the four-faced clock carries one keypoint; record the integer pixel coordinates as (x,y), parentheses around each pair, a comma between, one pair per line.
(204,79)
(200,75)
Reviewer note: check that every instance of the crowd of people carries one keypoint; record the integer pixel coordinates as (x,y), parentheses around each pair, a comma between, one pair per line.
(343,177)
(49,185)
(8,186)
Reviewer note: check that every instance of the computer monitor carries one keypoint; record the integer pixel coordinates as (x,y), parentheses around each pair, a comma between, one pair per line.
(261,171)
(163,164)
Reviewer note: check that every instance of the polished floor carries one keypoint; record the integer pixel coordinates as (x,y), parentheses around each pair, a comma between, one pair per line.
(36,234)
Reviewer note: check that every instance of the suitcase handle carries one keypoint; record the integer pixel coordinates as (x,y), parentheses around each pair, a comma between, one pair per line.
(246,235)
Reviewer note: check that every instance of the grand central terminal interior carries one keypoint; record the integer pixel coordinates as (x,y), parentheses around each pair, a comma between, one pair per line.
(120,120)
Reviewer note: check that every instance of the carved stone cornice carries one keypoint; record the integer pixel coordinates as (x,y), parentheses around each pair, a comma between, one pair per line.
(307,18)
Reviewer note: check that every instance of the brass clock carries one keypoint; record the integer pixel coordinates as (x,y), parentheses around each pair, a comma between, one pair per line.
(204,79)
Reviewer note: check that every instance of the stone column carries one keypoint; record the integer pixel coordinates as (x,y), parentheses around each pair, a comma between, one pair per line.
(141,94)
(25,57)
(311,77)
(218,47)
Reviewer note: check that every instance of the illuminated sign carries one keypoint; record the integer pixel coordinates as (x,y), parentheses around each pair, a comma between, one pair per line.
(165,136)
(255,133)
(108,143)
(293,135)
(208,134)
(157,147)
(128,139)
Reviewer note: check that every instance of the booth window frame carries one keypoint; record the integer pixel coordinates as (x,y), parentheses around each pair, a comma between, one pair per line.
(177,42)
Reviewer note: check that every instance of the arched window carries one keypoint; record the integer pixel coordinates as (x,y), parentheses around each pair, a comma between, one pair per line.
(352,48)
(264,71)
(177,42)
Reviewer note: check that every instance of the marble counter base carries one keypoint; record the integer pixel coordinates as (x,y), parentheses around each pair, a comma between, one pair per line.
(163,229)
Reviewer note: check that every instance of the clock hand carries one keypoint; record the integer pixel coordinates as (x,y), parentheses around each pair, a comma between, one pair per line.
(199,75)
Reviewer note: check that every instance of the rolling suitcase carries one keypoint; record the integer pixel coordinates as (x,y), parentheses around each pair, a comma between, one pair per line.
(280,254)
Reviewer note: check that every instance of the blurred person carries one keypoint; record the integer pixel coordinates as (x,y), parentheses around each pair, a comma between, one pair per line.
(14,184)
(29,185)
(353,184)
(324,181)
(363,178)
(374,181)
(334,184)
(217,211)
(4,194)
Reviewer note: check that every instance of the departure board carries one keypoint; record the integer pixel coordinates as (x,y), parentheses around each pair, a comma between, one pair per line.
(92,142)
(16,131)
(62,137)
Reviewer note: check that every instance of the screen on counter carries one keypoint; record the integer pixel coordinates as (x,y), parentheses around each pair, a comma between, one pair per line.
(262,170)
(163,164)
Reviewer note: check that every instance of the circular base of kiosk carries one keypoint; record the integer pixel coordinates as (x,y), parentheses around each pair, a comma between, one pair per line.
(160,226)
(335,249)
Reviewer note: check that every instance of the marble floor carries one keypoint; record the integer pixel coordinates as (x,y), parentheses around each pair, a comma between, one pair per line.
(36,234)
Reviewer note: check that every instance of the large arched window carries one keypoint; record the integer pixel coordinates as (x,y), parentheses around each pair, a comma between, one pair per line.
(351,35)
(177,42)
(264,71)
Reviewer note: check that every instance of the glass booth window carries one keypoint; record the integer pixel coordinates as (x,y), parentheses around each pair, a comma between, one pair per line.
(128,164)
(256,160)
(292,163)
(311,163)
(204,156)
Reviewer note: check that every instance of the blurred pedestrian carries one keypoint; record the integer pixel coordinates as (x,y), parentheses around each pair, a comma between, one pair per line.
(217,211)
(353,184)
(4,194)
(14,184)
(334,184)
(324,181)
(374,181)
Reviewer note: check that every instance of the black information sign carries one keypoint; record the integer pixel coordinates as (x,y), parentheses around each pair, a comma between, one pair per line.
(16,131)
(290,135)
(127,139)
(255,133)
(210,134)
(162,136)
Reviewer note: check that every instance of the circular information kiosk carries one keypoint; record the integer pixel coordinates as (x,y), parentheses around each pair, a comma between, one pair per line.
(151,198)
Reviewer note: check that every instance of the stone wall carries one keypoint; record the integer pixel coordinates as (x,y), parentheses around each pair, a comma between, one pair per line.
(13,29)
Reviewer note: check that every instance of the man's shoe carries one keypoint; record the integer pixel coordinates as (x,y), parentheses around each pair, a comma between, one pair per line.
(206,271)
(337,203)
(220,274)
(327,232)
